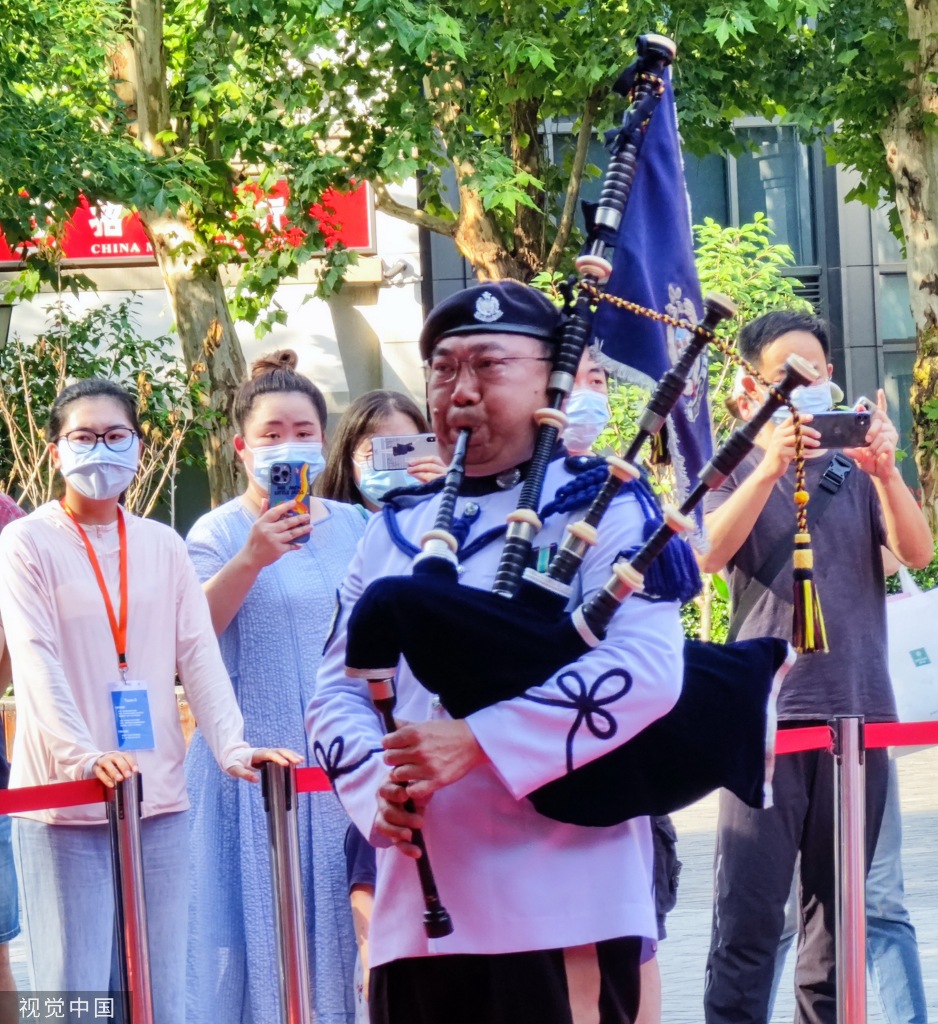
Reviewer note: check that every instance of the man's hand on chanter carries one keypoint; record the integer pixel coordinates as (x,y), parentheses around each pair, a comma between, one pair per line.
(431,755)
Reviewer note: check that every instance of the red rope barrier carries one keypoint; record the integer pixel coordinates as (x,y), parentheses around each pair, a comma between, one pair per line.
(794,741)
(876,735)
(44,798)
(901,734)
(312,780)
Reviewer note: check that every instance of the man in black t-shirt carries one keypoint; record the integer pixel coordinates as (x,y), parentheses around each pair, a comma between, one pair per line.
(748,519)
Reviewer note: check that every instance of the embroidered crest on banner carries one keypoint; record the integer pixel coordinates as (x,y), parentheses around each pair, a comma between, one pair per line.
(487,308)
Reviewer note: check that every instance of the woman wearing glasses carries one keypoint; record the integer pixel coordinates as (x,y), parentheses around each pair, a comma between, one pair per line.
(102,610)
(350,475)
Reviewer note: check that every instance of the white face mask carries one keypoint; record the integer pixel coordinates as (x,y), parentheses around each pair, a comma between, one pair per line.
(588,414)
(99,473)
(814,399)
(265,456)
(376,483)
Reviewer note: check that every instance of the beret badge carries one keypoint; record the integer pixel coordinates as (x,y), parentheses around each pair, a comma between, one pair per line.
(487,309)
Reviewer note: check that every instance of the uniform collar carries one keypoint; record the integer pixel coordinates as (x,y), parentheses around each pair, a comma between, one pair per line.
(476,486)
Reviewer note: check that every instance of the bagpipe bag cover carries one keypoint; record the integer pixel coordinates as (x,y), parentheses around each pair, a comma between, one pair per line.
(473,648)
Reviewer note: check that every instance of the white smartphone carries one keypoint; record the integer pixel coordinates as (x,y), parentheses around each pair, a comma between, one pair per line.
(395,452)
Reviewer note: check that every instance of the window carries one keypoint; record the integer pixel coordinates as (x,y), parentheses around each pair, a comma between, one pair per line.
(775,178)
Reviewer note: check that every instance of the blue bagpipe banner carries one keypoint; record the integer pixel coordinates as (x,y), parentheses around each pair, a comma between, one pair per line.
(653,266)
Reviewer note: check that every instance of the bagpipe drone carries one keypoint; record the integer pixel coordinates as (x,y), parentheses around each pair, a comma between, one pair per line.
(497,645)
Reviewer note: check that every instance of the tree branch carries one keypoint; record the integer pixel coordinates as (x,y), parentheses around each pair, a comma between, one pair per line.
(385,202)
(150,73)
(565,224)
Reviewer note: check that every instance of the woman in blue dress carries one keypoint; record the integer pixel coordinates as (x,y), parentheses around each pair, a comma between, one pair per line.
(272,601)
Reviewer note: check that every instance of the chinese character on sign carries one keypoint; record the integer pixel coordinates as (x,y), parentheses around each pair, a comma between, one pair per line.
(55,1009)
(29,1008)
(79,1007)
(103,1009)
(108,220)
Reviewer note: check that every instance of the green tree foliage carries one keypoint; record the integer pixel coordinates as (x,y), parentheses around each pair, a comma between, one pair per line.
(170,107)
(228,104)
(104,342)
(743,263)
(860,75)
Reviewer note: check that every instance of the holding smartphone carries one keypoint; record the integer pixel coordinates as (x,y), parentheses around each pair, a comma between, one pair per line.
(842,429)
(396,451)
(290,486)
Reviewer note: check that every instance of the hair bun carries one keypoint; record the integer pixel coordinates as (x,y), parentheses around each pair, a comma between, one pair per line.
(282,359)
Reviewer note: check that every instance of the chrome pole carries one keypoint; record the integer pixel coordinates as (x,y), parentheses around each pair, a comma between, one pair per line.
(123,808)
(850,868)
(279,790)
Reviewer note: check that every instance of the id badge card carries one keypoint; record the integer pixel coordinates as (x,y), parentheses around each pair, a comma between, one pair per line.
(132,719)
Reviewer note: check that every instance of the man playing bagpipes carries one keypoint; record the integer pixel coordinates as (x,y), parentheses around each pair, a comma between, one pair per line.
(859,504)
(548,918)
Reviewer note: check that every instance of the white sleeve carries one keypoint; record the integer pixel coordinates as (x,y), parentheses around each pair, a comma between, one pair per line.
(32,632)
(602,699)
(344,729)
(202,671)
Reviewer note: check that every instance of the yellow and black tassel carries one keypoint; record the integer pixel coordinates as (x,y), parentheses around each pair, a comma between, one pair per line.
(808,635)
(658,452)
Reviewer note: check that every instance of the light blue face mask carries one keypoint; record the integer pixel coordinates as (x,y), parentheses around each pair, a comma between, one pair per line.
(265,456)
(375,483)
(588,416)
(815,399)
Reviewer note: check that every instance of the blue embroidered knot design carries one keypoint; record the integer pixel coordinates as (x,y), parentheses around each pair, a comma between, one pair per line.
(331,760)
(588,705)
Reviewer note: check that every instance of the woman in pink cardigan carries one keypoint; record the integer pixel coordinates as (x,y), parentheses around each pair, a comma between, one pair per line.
(102,610)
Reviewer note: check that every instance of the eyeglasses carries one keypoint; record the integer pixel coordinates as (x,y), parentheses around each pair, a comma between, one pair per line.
(117,439)
(485,369)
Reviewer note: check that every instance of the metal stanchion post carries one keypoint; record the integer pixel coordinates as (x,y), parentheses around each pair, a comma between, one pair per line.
(123,810)
(850,868)
(279,788)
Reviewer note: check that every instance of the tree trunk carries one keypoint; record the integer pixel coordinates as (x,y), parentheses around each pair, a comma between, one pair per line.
(912,158)
(526,153)
(478,239)
(209,343)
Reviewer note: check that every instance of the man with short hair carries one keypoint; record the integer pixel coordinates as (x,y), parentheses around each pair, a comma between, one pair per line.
(548,918)
(749,519)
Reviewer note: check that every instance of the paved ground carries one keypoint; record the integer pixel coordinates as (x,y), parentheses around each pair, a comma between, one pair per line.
(683,954)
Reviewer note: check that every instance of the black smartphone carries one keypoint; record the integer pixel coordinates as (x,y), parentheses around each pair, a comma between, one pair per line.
(842,429)
(289,485)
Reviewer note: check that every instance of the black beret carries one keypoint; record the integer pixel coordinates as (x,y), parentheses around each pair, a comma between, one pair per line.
(499,307)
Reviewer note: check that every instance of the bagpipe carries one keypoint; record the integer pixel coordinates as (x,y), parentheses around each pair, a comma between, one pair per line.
(492,646)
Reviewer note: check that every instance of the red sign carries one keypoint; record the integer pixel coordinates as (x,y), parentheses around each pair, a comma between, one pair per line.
(103,232)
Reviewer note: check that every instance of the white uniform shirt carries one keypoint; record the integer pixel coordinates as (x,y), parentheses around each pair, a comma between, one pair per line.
(511,879)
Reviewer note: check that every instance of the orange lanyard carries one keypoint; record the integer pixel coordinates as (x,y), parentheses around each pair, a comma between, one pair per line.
(118,628)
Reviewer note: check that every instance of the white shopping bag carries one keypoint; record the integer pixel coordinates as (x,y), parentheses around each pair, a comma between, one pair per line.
(912,628)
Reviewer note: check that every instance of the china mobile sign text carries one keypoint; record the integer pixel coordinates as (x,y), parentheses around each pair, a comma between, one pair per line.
(102,232)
